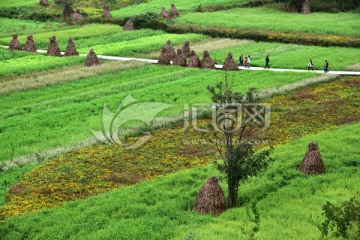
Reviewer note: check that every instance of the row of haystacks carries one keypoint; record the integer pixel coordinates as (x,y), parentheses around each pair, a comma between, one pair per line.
(53,49)
(179,58)
(211,199)
(173,13)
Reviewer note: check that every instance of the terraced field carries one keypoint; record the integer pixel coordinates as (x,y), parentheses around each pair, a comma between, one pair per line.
(58,181)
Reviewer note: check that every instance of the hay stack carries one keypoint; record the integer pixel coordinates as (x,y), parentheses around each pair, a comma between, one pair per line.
(77,18)
(164,13)
(106,12)
(44,3)
(170,51)
(230,64)
(71,49)
(305,9)
(129,25)
(186,49)
(67,10)
(312,162)
(164,59)
(173,11)
(91,59)
(194,61)
(30,45)
(15,44)
(207,61)
(180,59)
(53,48)
(210,198)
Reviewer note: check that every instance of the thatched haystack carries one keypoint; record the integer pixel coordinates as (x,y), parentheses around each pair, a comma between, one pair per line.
(71,49)
(210,198)
(164,13)
(305,9)
(30,45)
(53,48)
(164,58)
(129,25)
(15,44)
(67,10)
(77,18)
(230,64)
(170,51)
(174,13)
(106,12)
(312,162)
(186,49)
(91,59)
(180,59)
(44,3)
(207,61)
(194,61)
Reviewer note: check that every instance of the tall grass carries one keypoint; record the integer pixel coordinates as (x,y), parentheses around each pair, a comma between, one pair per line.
(18,3)
(62,36)
(61,75)
(141,45)
(262,18)
(26,27)
(156,5)
(288,203)
(35,62)
(38,120)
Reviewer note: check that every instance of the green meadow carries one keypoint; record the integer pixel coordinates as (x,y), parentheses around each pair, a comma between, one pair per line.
(263,18)
(285,201)
(58,182)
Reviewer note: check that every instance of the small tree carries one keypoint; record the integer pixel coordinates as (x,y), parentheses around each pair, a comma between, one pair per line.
(234,141)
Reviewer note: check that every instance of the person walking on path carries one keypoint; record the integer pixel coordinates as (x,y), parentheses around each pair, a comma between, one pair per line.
(326,67)
(248,61)
(267,61)
(241,60)
(310,65)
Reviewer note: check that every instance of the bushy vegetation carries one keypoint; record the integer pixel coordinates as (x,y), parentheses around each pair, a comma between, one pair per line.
(287,203)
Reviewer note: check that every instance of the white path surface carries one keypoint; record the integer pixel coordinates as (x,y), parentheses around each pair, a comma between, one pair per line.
(154,61)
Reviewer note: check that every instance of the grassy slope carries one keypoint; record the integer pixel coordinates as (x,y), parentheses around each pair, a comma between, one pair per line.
(262,18)
(36,120)
(156,5)
(287,202)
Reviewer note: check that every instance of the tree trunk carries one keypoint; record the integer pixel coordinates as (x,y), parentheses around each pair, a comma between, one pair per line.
(232,193)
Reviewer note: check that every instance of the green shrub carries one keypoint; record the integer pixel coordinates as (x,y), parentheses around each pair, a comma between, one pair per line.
(342,220)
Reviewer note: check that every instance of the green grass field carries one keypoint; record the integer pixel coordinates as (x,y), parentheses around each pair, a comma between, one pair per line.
(17,3)
(262,18)
(37,120)
(58,182)
(291,56)
(288,203)
(156,5)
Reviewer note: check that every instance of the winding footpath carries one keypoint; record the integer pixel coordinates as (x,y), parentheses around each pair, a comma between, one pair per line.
(219,67)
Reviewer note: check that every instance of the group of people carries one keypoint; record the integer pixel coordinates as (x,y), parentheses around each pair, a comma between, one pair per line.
(311,64)
(246,62)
